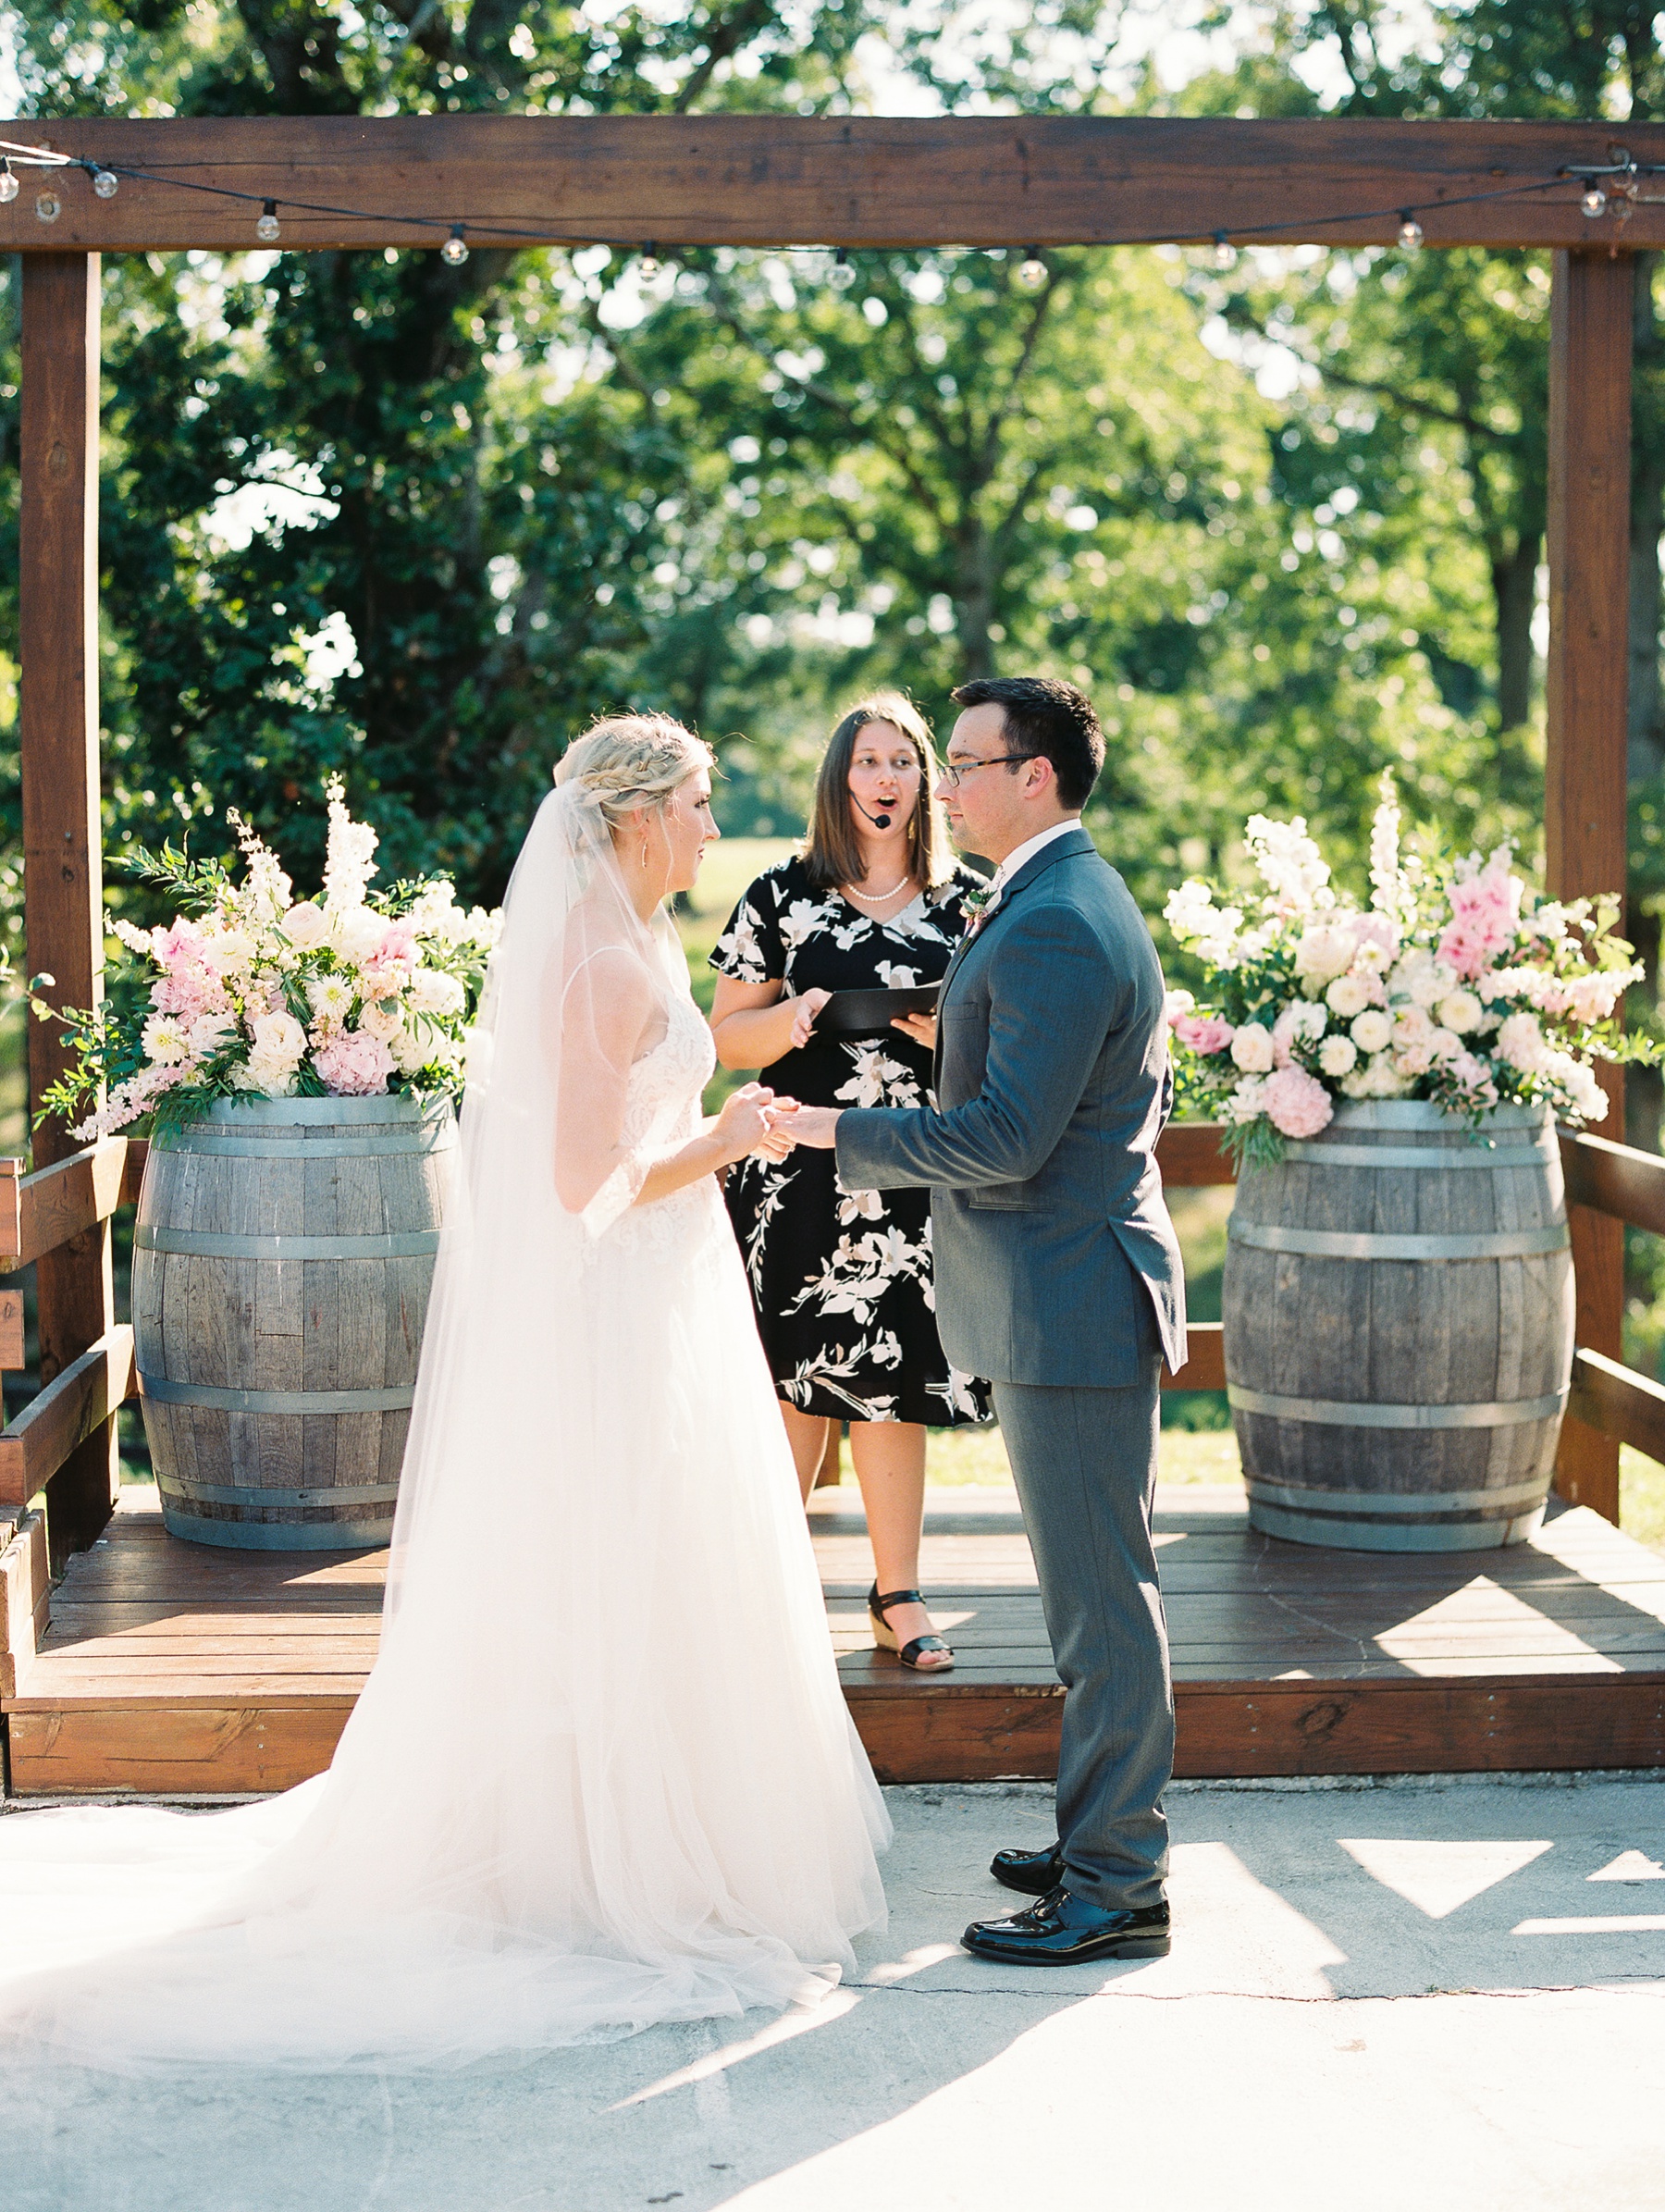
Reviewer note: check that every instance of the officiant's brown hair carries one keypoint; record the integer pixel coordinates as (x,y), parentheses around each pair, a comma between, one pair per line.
(832,850)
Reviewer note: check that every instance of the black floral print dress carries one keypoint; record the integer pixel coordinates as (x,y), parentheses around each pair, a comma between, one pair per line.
(841,1279)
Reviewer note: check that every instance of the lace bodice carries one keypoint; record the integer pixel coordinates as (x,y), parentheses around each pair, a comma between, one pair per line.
(666,1082)
(662,1109)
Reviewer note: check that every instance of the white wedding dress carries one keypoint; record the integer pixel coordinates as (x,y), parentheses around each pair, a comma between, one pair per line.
(602,1774)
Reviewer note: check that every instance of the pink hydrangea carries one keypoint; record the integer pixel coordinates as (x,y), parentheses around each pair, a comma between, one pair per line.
(1298,1103)
(352,1065)
(1206,1033)
(182,944)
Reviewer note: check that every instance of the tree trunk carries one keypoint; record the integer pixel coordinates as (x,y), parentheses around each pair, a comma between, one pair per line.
(1514,593)
(974,599)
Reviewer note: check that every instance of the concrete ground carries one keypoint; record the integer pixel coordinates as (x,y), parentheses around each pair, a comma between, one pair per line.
(1441,1994)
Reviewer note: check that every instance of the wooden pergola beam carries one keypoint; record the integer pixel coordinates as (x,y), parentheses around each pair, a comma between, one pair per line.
(763,180)
(62,880)
(760,180)
(1587,688)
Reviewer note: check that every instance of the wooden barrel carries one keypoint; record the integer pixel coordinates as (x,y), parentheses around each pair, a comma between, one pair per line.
(282,1262)
(1399,1329)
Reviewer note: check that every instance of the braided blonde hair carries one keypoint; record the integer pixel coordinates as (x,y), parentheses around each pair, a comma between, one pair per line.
(630,761)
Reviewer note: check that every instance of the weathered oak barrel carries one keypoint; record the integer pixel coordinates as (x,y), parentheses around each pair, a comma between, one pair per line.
(1399,1329)
(282,1262)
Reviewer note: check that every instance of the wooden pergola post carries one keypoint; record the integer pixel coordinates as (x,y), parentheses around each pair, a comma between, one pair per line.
(1584,818)
(63,887)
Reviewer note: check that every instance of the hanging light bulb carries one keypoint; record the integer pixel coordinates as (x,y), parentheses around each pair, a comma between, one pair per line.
(48,206)
(1031,271)
(105,183)
(266,227)
(1411,231)
(1595,201)
(454,252)
(841,276)
(1225,252)
(8,182)
(649,266)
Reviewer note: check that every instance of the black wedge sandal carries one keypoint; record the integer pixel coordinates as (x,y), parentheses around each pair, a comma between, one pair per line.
(885,1636)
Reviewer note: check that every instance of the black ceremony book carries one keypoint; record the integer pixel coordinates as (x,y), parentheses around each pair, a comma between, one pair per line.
(870,1013)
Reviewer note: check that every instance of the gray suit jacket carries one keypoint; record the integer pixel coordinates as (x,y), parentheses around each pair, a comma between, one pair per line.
(1048,1223)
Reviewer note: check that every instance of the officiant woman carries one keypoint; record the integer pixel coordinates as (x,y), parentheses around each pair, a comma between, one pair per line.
(841,1279)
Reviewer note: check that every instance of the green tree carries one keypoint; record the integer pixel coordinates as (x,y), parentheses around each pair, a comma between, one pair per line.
(456,557)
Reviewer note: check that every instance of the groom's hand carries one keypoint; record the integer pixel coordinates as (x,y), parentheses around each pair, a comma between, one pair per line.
(816,1125)
(921,1028)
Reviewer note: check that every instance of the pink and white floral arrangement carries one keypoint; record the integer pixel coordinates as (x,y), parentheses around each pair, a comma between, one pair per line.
(261,996)
(1455,984)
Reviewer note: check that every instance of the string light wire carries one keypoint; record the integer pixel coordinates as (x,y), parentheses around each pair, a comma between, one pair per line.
(520,232)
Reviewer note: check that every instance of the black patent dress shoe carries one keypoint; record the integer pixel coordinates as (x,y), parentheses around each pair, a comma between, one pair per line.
(1066,1931)
(1034,1872)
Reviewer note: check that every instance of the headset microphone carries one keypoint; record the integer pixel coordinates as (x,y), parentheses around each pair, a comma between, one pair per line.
(880,822)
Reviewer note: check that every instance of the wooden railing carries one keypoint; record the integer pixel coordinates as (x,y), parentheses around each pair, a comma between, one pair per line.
(40,1213)
(63,1437)
(1606,1179)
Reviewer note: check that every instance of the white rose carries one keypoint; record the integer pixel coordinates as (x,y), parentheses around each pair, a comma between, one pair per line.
(209,1031)
(1252,1049)
(1412,1028)
(1383,1079)
(305,925)
(1444,1045)
(1324,951)
(1337,1056)
(1348,996)
(1459,1010)
(1521,1043)
(382,1019)
(1372,1031)
(272,1078)
(434,991)
(279,1038)
(355,931)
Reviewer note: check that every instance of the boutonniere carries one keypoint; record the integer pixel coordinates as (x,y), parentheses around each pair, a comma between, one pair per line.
(973,902)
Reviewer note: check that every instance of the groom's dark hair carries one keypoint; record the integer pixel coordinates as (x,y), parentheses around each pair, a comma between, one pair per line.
(1045,720)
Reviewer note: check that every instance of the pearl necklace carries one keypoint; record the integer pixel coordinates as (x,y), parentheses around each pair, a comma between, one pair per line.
(877,898)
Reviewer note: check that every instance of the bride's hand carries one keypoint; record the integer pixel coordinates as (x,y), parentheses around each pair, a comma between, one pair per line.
(816,1126)
(803,1022)
(750,1121)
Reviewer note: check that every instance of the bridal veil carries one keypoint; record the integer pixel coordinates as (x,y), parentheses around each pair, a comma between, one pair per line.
(602,1774)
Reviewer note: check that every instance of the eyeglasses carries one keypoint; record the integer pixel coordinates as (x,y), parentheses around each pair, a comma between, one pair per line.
(954,771)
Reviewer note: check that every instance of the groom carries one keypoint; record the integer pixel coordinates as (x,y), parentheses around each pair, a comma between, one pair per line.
(1058,1278)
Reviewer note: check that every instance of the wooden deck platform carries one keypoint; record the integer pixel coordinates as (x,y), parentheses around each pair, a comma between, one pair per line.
(170,1669)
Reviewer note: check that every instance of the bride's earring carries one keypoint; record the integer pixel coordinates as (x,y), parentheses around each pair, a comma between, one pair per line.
(644,852)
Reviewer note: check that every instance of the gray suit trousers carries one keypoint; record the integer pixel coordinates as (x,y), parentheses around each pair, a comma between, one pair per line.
(1085,1464)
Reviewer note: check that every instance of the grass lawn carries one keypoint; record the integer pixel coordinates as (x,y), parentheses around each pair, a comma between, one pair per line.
(977,1455)
(730,865)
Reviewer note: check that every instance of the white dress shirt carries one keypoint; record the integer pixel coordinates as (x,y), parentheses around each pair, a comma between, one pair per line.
(1015,861)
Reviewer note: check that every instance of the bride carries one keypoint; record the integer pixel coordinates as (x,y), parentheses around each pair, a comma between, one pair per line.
(602,1774)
